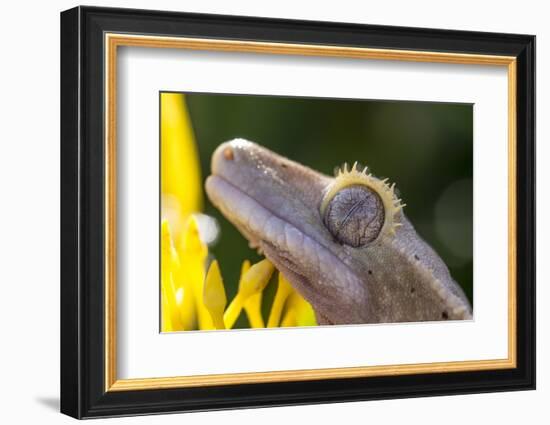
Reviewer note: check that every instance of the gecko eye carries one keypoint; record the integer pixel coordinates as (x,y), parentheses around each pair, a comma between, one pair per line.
(358,208)
(355,215)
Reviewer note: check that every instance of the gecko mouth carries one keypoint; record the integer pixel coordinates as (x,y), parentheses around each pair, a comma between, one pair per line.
(255,222)
(262,228)
(282,260)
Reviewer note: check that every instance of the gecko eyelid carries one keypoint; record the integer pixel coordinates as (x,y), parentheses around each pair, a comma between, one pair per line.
(358,208)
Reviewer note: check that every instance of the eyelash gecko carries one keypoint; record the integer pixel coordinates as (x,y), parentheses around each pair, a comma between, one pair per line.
(343,242)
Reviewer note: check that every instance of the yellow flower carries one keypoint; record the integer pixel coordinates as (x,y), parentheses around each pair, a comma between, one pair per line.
(283,291)
(192,298)
(181,190)
(253,281)
(253,305)
(193,254)
(181,183)
(298,312)
(291,306)
(171,318)
(214,298)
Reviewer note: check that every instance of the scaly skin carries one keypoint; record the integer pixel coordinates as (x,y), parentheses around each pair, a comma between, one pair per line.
(276,203)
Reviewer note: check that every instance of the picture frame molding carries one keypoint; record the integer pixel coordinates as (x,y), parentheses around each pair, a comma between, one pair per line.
(90,38)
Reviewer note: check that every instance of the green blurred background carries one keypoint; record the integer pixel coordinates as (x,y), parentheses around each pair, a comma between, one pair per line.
(426,148)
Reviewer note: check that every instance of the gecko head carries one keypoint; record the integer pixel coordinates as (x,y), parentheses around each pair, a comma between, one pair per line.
(312,227)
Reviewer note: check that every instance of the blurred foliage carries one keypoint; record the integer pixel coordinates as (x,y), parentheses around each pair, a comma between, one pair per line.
(426,148)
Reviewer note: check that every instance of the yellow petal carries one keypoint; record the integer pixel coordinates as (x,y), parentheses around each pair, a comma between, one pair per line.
(253,281)
(185,299)
(303,312)
(214,295)
(181,184)
(283,291)
(193,254)
(253,305)
(232,313)
(245,266)
(253,308)
(191,242)
(166,321)
(170,314)
(289,320)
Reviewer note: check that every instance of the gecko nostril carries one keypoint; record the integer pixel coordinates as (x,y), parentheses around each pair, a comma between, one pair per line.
(228,153)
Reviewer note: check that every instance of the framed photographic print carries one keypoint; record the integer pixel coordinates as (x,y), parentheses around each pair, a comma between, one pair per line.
(263,212)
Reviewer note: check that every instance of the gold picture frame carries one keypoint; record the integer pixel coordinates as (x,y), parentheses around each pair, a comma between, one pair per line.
(111,30)
(114,41)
